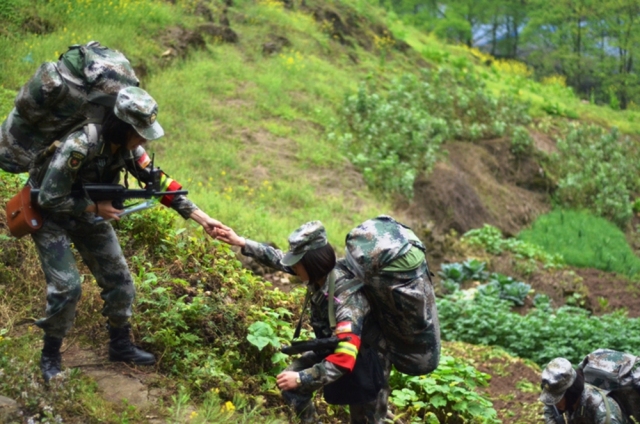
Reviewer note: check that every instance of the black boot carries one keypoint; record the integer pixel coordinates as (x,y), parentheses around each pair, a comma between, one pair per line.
(51,359)
(122,349)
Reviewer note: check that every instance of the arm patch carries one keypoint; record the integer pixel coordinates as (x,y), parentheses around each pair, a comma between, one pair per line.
(75,160)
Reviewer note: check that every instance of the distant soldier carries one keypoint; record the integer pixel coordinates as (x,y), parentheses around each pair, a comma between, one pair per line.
(568,399)
(619,374)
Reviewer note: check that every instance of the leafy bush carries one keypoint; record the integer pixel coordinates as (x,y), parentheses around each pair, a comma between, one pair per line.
(393,137)
(449,390)
(491,239)
(498,285)
(542,334)
(584,240)
(598,171)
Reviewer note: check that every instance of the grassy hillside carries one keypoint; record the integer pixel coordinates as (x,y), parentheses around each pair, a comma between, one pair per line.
(279,113)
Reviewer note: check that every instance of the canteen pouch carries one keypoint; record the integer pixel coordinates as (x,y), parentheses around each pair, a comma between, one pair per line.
(22,217)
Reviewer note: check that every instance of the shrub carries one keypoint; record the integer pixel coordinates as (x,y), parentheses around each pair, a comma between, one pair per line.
(542,334)
(446,395)
(491,239)
(393,137)
(598,171)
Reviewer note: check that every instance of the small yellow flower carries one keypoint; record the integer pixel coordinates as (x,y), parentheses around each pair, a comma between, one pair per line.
(215,390)
(228,406)
(223,173)
(193,415)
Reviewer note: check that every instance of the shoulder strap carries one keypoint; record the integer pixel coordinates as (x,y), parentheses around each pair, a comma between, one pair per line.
(605,399)
(332,293)
(296,334)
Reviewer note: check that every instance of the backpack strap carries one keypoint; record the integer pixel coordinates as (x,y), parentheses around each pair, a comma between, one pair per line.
(335,292)
(332,293)
(296,334)
(606,404)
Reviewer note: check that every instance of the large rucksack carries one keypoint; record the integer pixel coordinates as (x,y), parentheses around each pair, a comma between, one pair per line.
(618,373)
(389,260)
(62,97)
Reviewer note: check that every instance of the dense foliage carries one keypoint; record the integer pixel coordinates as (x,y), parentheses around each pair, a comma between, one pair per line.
(540,335)
(392,137)
(591,44)
(493,242)
(495,284)
(598,170)
(447,395)
(583,240)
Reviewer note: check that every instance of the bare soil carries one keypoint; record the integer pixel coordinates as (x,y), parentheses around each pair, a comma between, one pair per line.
(514,383)
(481,183)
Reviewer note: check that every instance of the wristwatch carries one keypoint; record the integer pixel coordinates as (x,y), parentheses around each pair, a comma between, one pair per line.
(298,381)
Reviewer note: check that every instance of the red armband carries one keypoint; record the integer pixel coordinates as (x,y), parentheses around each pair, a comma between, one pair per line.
(171,186)
(345,354)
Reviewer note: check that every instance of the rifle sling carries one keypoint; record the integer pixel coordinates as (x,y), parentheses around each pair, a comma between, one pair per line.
(296,334)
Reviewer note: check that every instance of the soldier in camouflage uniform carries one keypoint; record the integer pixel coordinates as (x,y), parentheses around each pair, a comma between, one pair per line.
(619,374)
(568,399)
(82,158)
(313,369)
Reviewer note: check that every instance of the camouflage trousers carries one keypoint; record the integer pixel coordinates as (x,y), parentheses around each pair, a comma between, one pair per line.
(365,413)
(99,248)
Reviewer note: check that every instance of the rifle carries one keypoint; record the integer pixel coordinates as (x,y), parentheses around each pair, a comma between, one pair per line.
(118,194)
(558,417)
(327,345)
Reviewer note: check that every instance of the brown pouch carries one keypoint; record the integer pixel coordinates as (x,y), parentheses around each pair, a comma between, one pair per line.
(22,217)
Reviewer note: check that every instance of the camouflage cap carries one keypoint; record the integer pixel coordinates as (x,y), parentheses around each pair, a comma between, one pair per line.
(308,237)
(557,377)
(136,107)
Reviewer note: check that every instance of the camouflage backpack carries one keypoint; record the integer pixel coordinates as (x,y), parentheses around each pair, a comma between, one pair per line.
(619,374)
(60,98)
(389,260)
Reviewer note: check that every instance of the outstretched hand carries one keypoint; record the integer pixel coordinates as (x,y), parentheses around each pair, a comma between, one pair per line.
(211,226)
(230,237)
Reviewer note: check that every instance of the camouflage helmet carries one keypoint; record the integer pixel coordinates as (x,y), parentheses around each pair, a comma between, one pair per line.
(136,107)
(557,377)
(309,236)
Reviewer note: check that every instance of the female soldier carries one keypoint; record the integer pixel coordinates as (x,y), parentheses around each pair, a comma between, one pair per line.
(96,155)
(351,374)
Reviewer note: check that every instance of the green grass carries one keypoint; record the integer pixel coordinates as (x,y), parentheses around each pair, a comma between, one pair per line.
(584,240)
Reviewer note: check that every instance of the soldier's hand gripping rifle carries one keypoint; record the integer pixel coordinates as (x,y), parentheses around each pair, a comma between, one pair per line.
(320,346)
(118,194)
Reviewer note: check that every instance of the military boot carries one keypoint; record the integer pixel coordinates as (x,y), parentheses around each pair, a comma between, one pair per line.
(122,349)
(51,359)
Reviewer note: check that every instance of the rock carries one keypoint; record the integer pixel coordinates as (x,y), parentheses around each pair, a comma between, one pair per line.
(9,410)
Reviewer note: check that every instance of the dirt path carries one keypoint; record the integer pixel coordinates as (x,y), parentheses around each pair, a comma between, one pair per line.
(117,382)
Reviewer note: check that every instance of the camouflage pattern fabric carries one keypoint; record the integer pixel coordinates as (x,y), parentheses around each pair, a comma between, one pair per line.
(315,371)
(80,158)
(100,250)
(60,97)
(617,372)
(409,331)
(591,409)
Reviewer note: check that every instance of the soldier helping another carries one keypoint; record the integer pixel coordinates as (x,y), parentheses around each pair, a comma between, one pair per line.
(96,154)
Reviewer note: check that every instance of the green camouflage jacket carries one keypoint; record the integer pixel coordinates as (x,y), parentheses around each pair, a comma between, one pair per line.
(591,409)
(350,307)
